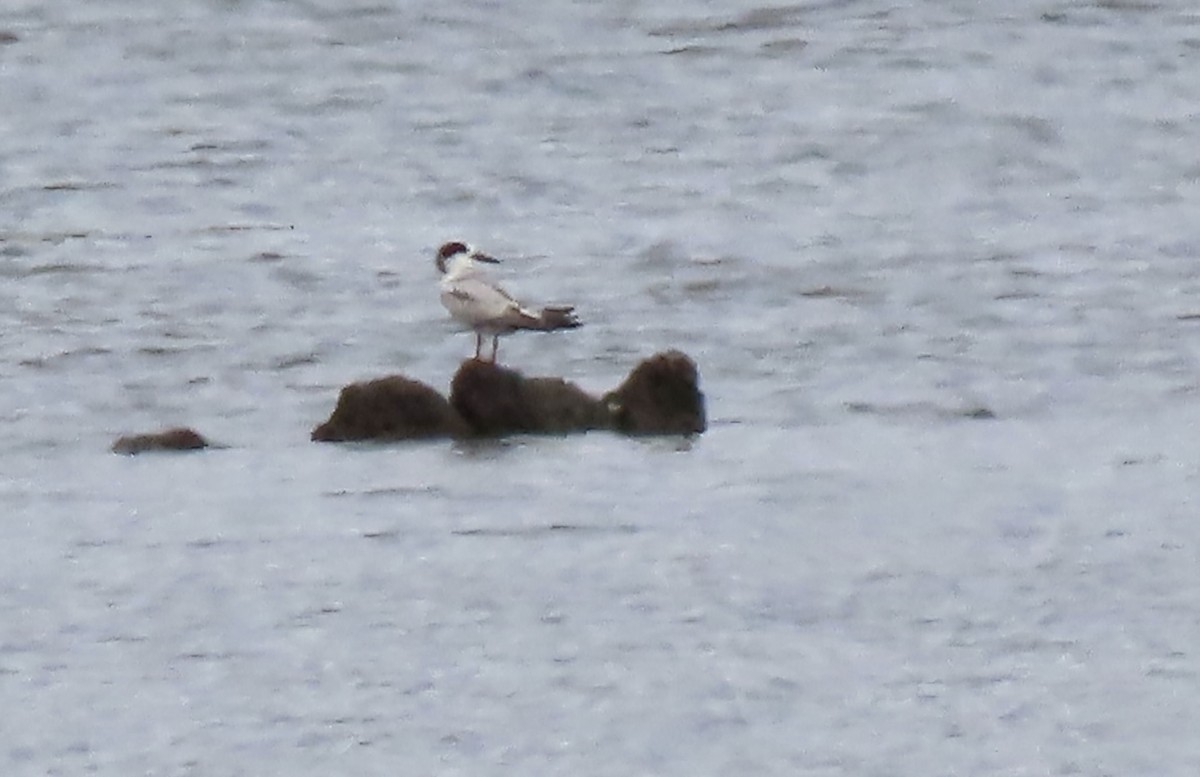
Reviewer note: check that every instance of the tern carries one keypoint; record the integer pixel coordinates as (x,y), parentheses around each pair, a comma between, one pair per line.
(473,299)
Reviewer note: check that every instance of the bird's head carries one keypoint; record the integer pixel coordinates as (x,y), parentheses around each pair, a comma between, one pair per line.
(450,252)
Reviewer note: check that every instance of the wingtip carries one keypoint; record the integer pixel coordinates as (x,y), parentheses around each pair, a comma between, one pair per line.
(560,317)
(549,318)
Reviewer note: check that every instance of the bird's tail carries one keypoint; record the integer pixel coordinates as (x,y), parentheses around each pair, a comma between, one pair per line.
(551,317)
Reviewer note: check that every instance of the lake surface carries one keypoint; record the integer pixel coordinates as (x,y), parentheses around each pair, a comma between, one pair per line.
(936,263)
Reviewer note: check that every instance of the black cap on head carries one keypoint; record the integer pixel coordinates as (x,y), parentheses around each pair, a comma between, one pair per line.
(448,250)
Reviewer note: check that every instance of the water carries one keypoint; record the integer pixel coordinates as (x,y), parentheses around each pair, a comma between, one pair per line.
(936,266)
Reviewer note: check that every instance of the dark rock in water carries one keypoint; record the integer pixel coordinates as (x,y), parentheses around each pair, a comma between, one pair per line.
(561,406)
(495,400)
(178,439)
(390,408)
(661,396)
(488,397)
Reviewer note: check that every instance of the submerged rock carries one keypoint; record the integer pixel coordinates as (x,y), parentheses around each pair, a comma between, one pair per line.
(661,396)
(180,438)
(390,408)
(495,400)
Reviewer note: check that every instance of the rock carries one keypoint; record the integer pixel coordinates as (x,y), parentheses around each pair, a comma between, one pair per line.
(179,438)
(660,396)
(390,408)
(495,400)
(561,406)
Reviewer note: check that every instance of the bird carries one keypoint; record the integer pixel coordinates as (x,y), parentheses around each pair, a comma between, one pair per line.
(475,300)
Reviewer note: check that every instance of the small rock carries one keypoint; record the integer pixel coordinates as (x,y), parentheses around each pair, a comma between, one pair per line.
(561,406)
(390,408)
(496,400)
(180,438)
(660,396)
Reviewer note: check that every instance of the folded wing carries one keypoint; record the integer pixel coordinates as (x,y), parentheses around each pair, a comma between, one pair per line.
(479,303)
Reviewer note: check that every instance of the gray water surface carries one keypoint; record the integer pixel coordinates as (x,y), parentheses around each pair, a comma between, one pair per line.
(936,263)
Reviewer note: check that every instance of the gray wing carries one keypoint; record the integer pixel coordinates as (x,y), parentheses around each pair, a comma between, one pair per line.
(478,302)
